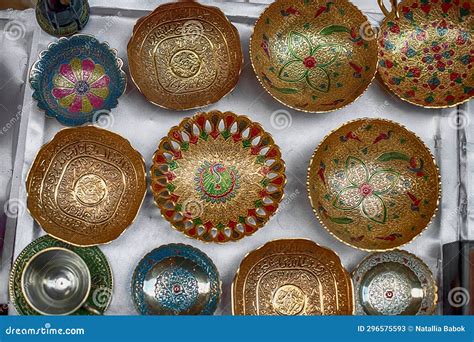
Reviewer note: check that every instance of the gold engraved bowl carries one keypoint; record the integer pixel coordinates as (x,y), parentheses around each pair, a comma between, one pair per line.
(394,283)
(86,186)
(314,56)
(217,177)
(185,55)
(292,277)
(373,184)
(425,52)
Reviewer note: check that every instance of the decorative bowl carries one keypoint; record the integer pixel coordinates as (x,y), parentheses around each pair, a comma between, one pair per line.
(185,55)
(394,283)
(176,279)
(426,54)
(62,19)
(100,294)
(280,278)
(77,79)
(373,184)
(86,186)
(314,56)
(217,177)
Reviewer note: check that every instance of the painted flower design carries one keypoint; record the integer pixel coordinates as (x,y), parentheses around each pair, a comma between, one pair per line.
(309,63)
(365,190)
(81,86)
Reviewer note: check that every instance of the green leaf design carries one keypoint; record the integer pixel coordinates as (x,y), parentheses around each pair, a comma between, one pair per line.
(356,171)
(393,156)
(382,181)
(299,45)
(341,220)
(370,213)
(318,79)
(292,71)
(286,90)
(348,198)
(333,29)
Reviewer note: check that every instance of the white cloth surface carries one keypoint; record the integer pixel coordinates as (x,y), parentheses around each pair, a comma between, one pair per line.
(145,124)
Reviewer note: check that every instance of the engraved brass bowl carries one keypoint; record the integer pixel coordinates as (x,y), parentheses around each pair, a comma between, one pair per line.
(373,184)
(185,55)
(86,186)
(394,283)
(217,177)
(101,286)
(176,279)
(425,52)
(314,56)
(292,277)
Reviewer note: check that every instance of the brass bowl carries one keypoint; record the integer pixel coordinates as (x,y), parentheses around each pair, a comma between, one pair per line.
(217,176)
(292,277)
(373,184)
(86,186)
(426,54)
(185,55)
(314,56)
(394,283)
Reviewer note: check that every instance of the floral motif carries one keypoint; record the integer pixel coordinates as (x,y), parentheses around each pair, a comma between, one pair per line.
(81,86)
(309,63)
(217,183)
(365,190)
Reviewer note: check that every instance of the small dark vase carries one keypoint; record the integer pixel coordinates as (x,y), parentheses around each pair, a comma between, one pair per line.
(62,17)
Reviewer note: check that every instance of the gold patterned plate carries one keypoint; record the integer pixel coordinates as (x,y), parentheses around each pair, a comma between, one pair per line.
(314,56)
(86,186)
(394,283)
(373,184)
(292,277)
(217,177)
(426,55)
(185,55)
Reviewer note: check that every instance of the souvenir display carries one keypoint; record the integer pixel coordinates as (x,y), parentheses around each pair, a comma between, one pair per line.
(86,186)
(373,184)
(280,278)
(217,176)
(394,283)
(314,56)
(458,278)
(77,79)
(62,17)
(185,55)
(426,54)
(176,279)
(76,281)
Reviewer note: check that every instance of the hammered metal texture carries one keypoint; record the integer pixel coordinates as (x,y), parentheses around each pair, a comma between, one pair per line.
(311,55)
(86,186)
(218,176)
(426,55)
(185,55)
(102,282)
(373,184)
(394,283)
(176,279)
(292,277)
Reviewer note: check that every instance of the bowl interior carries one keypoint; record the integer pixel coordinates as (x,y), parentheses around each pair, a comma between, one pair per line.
(314,56)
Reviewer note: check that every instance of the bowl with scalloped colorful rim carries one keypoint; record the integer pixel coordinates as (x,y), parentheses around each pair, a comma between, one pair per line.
(373,184)
(218,177)
(314,56)
(77,79)
(394,283)
(425,52)
(176,279)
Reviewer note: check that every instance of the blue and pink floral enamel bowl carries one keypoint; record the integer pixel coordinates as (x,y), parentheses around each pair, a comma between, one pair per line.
(77,79)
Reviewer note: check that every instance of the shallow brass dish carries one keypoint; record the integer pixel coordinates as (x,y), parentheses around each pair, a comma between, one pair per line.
(373,184)
(426,54)
(86,186)
(217,176)
(176,279)
(185,55)
(314,56)
(394,283)
(292,277)
(100,294)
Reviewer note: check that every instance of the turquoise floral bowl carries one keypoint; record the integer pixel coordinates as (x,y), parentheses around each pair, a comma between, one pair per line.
(77,79)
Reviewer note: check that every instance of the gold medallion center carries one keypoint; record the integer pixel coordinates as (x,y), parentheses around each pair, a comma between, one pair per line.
(90,189)
(185,63)
(289,300)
